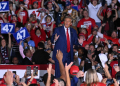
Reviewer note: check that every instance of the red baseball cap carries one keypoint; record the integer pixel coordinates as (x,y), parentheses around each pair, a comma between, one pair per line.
(2,85)
(2,81)
(74,70)
(82,34)
(49,2)
(34,81)
(109,10)
(52,84)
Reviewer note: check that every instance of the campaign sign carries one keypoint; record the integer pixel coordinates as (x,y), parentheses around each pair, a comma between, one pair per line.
(4,6)
(7,27)
(21,34)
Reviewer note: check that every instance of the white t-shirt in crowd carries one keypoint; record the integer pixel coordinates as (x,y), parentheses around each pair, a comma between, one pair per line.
(93,11)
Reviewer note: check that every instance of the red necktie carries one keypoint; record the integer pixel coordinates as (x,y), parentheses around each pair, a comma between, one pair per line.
(68,41)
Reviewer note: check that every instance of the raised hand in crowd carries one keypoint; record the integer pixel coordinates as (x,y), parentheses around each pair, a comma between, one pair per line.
(9,78)
(49,69)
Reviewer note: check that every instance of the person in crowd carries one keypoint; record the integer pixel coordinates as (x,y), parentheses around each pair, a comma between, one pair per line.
(29,26)
(49,26)
(28,57)
(113,36)
(61,5)
(40,56)
(15,60)
(52,7)
(73,13)
(92,78)
(35,5)
(5,50)
(33,18)
(93,8)
(108,19)
(22,12)
(37,34)
(75,5)
(87,21)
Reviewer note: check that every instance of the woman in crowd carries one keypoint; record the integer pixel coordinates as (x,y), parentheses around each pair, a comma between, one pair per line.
(108,19)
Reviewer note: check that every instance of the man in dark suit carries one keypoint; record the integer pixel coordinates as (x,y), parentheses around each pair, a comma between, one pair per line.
(27,59)
(64,38)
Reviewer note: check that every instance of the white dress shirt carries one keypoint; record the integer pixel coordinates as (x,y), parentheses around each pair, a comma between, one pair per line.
(68,32)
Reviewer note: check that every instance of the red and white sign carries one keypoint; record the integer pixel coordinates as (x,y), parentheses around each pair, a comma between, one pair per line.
(34,11)
(20,69)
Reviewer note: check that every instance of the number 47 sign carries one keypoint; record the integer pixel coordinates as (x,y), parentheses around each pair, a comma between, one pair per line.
(21,34)
(7,27)
(4,6)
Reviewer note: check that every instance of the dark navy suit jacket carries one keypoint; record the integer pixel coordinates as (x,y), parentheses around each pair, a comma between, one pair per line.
(61,43)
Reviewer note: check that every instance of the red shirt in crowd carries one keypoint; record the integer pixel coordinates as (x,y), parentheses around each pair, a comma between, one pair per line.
(88,22)
(37,39)
(112,64)
(24,13)
(49,25)
(97,84)
(88,41)
(115,41)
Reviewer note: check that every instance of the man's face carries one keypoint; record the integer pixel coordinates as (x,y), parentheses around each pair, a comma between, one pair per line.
(87,47)
(21,5)
(48,20)
(94,32)
(29,53)
(15,60)
(114,35)
(14,18)
(92,48)
(80,52)
(67,22)
(85,13)
(115,48)
(68,7)
(35,5)
(94,2)
(49,5)
(38,32)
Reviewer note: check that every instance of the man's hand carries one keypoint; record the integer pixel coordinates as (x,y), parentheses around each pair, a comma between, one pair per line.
(106,41)
(59,55)
(9,34)
(17,79)
(67,67)
(103,24)
(56,37)
(104,80)
(9,78)
(25,75)
(80,74)
(49,69)
(115,82)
